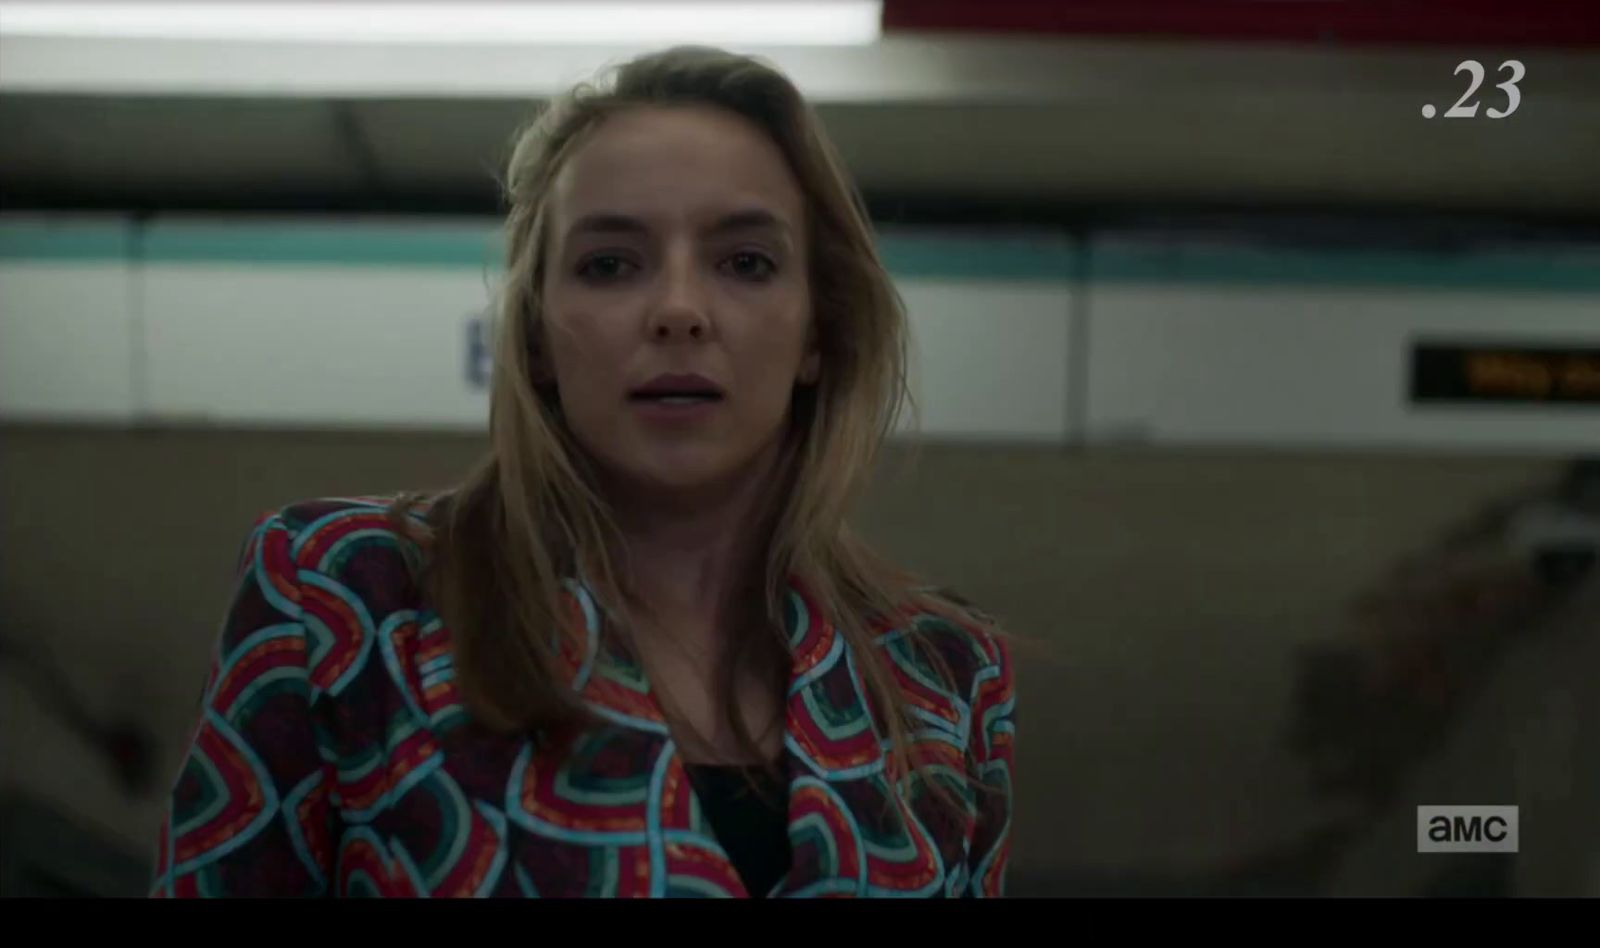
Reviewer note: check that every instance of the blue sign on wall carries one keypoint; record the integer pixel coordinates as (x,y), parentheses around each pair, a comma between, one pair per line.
(480,357)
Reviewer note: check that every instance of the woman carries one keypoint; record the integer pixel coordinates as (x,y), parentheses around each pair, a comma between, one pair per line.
(637,652)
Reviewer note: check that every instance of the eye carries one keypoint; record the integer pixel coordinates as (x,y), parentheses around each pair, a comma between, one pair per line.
(605,267)
(750,265)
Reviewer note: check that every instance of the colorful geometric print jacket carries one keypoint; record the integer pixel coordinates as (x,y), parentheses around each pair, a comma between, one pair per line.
(333,755)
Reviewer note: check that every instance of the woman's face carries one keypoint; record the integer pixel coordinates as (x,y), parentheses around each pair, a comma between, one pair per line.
(676,298)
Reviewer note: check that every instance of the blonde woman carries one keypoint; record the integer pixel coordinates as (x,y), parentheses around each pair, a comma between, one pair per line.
(638,651)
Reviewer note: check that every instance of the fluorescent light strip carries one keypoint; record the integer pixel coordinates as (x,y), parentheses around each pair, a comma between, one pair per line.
(783,23)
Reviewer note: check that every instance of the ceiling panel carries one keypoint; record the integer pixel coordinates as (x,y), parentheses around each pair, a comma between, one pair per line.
(441,146)
(133,149)
(1110,125)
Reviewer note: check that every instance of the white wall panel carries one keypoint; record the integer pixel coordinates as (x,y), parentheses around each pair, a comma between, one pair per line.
(66,340)
(313,344)
(988,358)
(1301,365)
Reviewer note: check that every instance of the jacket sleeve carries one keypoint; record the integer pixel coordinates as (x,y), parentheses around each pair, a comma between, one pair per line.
(993,709)
(250,814)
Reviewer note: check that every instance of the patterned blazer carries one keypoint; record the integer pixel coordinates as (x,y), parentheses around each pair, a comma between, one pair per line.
(333,755)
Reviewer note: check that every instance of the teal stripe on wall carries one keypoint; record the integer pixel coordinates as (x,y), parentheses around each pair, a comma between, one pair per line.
(1007,257)
(65,240)
(363,244)
(966,257)
(956,256)
(1548,270)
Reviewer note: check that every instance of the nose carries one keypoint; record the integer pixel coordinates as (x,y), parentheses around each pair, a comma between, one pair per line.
(680,310)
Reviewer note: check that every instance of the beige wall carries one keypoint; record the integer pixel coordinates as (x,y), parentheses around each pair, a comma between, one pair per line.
(1161,596)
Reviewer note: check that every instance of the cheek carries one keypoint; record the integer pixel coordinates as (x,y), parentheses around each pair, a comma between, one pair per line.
(584,351)
(773,358)
(576,330)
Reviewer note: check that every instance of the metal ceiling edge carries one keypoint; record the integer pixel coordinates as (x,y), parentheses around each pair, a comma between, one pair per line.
(905,69)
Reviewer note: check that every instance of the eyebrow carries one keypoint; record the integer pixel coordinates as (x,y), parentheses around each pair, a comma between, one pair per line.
(607,224)
(610,223)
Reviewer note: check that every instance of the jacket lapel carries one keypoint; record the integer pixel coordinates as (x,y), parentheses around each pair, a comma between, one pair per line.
(622,788)
(626,785)
(849,831)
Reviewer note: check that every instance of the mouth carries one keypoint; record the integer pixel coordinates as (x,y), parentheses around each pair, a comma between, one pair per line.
(687,399)
(677,390)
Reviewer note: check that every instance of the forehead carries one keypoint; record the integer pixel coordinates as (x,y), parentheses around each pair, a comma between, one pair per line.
(685,162)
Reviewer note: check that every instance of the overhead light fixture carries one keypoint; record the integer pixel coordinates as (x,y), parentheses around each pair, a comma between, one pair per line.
(600,23)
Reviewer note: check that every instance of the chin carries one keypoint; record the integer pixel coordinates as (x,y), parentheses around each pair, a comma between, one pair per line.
(684,476)
(687,472)
(685,467)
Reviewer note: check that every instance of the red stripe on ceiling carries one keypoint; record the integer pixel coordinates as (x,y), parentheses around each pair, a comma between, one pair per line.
(1570,23)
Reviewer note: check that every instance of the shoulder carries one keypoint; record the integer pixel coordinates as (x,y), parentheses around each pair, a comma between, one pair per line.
(954,639)
(330,517)
(345,570)
(338,536)
(338,560)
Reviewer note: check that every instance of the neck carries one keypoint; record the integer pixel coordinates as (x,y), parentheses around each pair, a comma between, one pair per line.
(694,555)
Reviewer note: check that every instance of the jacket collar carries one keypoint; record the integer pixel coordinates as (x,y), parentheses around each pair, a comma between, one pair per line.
(829,728)
(626,789)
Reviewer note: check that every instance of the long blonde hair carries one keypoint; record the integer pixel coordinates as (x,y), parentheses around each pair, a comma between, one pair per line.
(530,515)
